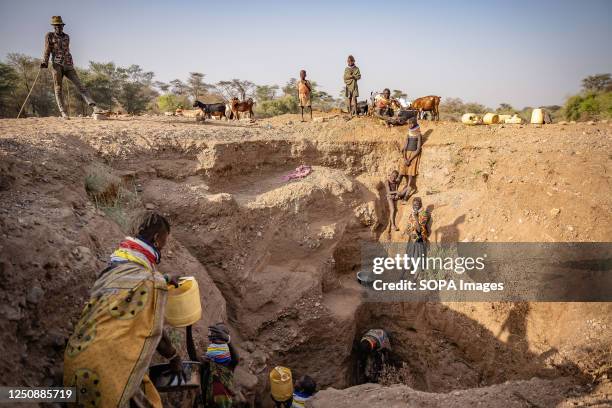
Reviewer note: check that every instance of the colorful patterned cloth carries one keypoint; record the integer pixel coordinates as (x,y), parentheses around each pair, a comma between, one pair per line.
(219,353)
(378,338)
(300,172)
(108,355)
(219,385)
(299,399)
(418,224)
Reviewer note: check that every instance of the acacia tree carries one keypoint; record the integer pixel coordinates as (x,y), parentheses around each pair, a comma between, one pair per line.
(398,94)
(196,85)
(42,99)
(597,83)
(236,88)
(179,87)
(265,92)
(8,84)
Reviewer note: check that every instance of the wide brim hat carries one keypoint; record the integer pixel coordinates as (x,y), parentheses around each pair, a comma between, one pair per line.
(57,20)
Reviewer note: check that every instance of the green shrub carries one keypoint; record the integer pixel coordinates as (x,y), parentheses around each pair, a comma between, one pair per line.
(589,106)
(170,102)
(275,107)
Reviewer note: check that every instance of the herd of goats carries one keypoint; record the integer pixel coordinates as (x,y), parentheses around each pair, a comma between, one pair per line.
(234,108)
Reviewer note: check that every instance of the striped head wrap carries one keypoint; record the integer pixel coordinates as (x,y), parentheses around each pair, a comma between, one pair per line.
(219,353)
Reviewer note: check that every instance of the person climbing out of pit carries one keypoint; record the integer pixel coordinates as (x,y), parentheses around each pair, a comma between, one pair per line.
(121,326)
(57,45)
(304,91)
(218,364)
(411,156)
(418,220)
(418,233)
(374,348)
(305,387)
(393,194)
(351,90)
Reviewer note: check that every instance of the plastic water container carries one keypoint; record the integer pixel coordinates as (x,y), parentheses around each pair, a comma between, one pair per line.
(490,118)
(470,119)
(502,118)
(537,116)
(514,120)
(281,383)
(183,307)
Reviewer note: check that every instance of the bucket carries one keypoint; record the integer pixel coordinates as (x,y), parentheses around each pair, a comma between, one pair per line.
(183,307)
(490,118)
(537,116)
(470,119)
(514,120)
(281,383)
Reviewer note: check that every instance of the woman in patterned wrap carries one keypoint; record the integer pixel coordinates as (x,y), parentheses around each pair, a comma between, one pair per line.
(121,326)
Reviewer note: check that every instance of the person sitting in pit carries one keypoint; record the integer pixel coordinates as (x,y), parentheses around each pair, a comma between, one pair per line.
(303,390)
(374,349)
(411,157)
(393,194)
(218,364)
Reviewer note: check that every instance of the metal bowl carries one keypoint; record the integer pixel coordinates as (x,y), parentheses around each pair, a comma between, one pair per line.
(164,382)
(365,278)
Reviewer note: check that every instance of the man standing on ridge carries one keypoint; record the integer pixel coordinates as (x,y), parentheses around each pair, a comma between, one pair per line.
(57,44)
(351,91)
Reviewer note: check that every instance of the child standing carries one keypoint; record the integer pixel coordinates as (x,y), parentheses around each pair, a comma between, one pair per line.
(411,156)
(304,91)
(392,187)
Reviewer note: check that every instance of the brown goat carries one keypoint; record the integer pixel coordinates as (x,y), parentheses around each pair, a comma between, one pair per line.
(244,106)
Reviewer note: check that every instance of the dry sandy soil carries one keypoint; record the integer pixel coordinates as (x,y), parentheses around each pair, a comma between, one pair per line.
(277,259)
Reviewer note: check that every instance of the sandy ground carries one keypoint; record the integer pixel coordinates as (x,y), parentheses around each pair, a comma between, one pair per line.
(277,259)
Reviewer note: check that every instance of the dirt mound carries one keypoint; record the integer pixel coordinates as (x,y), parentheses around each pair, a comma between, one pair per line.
(278,259)
(558,393)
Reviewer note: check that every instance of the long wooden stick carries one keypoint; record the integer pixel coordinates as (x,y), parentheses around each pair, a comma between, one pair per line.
(29,93)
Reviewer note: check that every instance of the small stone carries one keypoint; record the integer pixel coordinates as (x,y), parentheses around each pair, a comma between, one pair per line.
(590,122)
(570,228)
(554,212)
(319,120)
(35,295)
(249,346)
(150,206)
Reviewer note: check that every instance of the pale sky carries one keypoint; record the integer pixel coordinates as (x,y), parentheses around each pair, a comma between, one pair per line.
(523,52)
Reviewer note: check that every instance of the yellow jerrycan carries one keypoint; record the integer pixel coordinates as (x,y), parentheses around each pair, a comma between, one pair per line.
(183,307)
(281,383)
(537,116)
(490,118)
(471,119)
